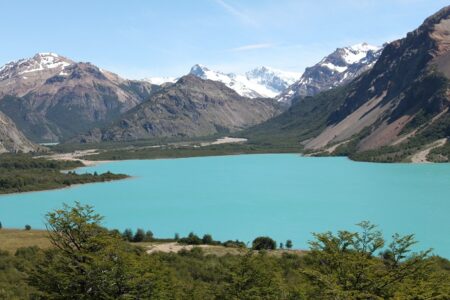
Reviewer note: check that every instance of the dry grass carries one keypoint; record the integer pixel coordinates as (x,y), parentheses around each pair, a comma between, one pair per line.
(12,239)
(208,249)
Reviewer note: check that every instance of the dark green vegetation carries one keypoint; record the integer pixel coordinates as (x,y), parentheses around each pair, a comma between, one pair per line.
(88,261)
(22,173)
(440,154)
(207,239)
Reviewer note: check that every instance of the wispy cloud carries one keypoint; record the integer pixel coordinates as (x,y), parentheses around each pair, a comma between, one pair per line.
(236,13)
(252,47)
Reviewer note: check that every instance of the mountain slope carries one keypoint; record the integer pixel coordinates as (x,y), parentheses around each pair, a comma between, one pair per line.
(336,69)
(11,139)
(262,82)
(190,107)
(387,113)
(50,97)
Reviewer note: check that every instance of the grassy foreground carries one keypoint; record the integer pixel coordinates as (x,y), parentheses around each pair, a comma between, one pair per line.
(88,261)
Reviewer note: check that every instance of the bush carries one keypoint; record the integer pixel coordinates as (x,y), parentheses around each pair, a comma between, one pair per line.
(264,243)
(27,227)
(234,244)
(191,239)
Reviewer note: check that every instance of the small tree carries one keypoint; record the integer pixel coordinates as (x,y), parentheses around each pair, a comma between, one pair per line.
(1,226)
(89,262)
(281,246)
(289,244)
(127,235)
(27,227)
(139,235)
(346,265)
(264,243)
(176,236)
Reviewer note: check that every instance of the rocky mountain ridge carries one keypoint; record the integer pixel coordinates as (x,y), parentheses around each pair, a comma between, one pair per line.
(50,97)
(11,139)
(389,112)
(337,69)
(191,107)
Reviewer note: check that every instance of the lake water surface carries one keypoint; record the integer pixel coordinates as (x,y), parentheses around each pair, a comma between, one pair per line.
(284,196)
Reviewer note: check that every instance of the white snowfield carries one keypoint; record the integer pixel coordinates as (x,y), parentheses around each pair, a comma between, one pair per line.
(160,80)
(260,82)
(356,53)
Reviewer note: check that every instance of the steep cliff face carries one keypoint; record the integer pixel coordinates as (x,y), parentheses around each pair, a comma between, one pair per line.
(51,97)
(406,90)
(402,102)
(191,107)
(11,139)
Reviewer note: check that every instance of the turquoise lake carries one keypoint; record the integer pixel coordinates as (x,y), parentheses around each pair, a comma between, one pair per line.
(284,196)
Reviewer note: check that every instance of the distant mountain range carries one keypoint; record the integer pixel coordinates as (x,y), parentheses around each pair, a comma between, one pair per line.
(188,108)
(361,100)
(389,112)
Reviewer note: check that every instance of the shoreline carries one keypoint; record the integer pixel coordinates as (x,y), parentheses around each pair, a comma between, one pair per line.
(65,187)
(73,156)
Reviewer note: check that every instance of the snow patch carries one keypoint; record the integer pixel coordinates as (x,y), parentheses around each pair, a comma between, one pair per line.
(160,80)
(334,67)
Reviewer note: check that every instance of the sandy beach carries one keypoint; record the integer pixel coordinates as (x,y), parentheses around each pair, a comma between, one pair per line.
(77,155)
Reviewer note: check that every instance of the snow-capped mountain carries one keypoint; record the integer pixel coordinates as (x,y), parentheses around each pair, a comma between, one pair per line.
(50,97)
(39,62)
(260,82)
(21,76)
(338,68)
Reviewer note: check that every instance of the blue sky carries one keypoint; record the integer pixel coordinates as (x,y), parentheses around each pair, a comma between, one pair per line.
(139,39)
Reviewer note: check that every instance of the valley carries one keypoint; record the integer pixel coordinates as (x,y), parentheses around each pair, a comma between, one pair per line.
(227,150)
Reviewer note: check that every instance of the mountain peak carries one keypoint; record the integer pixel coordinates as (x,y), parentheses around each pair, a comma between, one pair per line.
(338,68)
(262,81)
(199,70)
(39,62)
